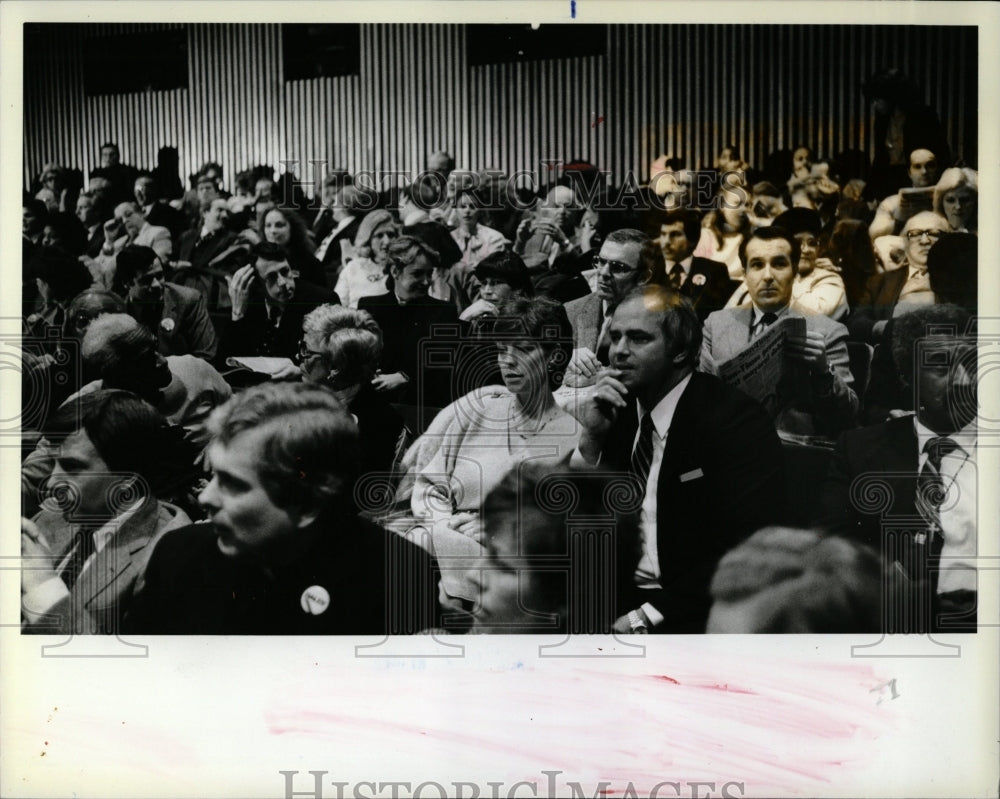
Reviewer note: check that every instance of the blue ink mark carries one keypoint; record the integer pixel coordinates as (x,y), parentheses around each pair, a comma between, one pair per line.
(572,9)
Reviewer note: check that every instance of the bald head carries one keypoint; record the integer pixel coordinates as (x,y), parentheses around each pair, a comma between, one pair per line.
(919,234)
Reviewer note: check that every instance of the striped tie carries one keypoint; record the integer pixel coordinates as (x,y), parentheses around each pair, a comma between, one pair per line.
(930,495)
(642,457)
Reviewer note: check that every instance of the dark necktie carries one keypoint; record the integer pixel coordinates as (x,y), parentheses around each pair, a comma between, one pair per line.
(604,340)
(676,276)
(83,547)
(642,457)
(930,495)
(765,321)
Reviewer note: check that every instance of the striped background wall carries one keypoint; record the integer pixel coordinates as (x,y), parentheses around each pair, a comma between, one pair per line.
(681,90)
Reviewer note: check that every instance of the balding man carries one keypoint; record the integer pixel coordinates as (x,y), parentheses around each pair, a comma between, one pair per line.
(892,293)
(127,227)
(889,217)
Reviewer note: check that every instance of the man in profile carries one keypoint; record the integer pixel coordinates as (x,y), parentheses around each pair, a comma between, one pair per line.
(90,542)
(284,551)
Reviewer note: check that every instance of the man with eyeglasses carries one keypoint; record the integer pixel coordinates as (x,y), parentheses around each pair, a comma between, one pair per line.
(268,305)
(627,258)
(894,293)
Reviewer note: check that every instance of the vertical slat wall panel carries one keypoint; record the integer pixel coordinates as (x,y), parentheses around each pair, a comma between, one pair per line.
(683,90)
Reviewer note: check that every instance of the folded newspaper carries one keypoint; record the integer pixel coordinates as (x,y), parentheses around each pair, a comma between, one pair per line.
(762,371)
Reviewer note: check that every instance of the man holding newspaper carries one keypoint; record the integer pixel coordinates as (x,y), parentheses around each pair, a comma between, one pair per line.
(796,366)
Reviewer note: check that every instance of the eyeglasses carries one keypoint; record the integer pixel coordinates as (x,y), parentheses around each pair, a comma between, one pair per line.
(933,235)
(147,279)
(286,272)
(614,267)
(305,354)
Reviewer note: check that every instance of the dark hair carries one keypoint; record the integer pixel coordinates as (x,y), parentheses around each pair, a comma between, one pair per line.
(509,267)
(39,209)
(680,324)
(91,303)
(802,581)
(300,239)
(69,231)
(893,85)
(115,348)
(799,220)
(922,324)
(772,233)
(210,165)
(561,554)
(64,274)
(542,320)
(651,262)
(439,239)
(422,192)
(310,453)
(690,218)
(268,251)
(131,262)
(128,433)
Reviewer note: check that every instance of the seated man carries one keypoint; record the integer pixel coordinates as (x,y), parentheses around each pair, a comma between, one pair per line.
(90,212)
(268,305)
(782,580)
(706,457)
(207,255)
(627,258)
(818,289)
(128,226)
(924,468)
(407,316)
(890,294)
(121,353)
(704,282)
(284,552)
(158,212)
(89,544)
(890,215)
(823,401)
(175,313)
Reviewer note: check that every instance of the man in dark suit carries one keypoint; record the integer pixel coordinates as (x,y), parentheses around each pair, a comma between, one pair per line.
(704,282)
(408,316)
(268,305)
(889,294)
(206,255)
(120,176)
(177,315)
(627,259)
(90,210)
(705,455)
(284,552)
(907,487)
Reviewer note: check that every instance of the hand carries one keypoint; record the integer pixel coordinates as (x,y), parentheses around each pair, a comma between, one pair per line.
(175,265)
(810,350)
(37,556)
(288,372)
(826,263)
(548,228)
(468,524)
(624,625)
(599,411)
(389,382)
(584,363)
(239,290)
(112,230)
(523,231)
(479,308)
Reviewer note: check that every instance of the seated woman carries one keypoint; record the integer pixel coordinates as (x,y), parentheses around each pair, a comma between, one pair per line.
(287,229)
(364,275)
(956,197)
(477,439)
(340,350)
(538,573)
(724,229)
(501,276)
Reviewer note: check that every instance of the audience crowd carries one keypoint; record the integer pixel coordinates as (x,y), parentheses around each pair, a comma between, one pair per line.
(463,405)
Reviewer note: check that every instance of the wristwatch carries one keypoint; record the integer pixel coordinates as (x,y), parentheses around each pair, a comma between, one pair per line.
(637,621)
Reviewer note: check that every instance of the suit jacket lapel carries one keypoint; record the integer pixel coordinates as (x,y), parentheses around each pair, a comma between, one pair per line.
(133,534)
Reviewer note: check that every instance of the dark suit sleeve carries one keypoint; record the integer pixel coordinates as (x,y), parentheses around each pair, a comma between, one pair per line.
(861,322)
(202,334)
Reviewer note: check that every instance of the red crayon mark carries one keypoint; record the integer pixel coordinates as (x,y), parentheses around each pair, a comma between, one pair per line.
(597,122)
(665,678)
